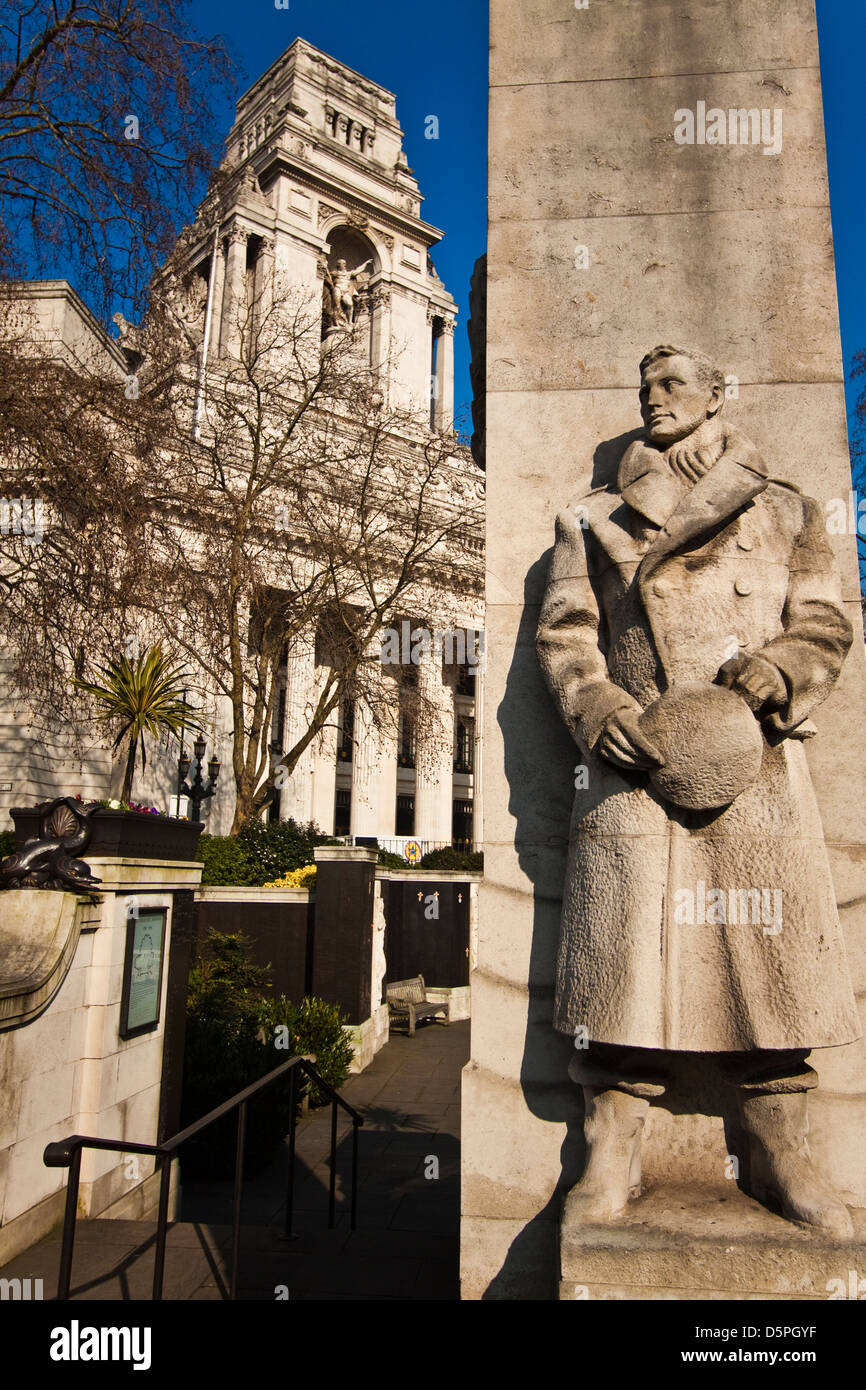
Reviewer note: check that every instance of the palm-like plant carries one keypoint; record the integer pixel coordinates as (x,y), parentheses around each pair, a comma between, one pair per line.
(147,696)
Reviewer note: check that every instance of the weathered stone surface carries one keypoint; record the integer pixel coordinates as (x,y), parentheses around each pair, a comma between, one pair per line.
(553,326)
(38,935)
(540,43)
(693,1242)
(651,174)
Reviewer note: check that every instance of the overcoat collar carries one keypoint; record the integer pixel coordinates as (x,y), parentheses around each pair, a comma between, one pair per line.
(648,485)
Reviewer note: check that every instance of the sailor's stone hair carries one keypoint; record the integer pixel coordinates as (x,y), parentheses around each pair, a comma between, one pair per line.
(709,373)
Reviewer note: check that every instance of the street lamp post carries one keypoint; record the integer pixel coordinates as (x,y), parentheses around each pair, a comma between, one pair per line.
(197,791)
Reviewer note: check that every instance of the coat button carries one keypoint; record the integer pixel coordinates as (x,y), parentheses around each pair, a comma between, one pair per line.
(662,588)
(744,543)
(742,587)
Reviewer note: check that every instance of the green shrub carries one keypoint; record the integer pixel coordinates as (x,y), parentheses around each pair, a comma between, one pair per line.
(7,843)
(274,848)
(224,1051)
(448,858)
(225,862)
(231,1042)
(316,1027)
(389,860)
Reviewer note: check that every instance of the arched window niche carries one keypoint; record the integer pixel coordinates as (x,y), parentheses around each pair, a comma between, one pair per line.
(352,264)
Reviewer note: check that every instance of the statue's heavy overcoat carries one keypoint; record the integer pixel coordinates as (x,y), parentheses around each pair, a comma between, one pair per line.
(633,607)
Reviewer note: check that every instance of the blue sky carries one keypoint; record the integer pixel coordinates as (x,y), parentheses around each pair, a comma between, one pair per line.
(434,58)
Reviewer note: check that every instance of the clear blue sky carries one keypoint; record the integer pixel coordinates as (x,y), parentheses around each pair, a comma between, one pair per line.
(434,58)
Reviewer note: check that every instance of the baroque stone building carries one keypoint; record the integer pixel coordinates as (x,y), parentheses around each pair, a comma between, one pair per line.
(316,193)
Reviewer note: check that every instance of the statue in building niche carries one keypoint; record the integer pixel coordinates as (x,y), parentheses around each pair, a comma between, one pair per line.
(691,623)
(343,292)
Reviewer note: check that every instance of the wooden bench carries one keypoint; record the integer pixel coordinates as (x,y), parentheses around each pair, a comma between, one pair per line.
(408,999)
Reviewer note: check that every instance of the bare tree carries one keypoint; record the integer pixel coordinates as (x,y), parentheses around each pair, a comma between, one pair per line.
(106,114)
(281,502)
(303,508)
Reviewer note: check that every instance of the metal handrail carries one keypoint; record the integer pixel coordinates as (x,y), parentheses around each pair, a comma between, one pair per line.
(66,1153)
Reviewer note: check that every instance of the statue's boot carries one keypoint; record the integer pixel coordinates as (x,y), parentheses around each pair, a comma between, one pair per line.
(612,1129)
(781,1165)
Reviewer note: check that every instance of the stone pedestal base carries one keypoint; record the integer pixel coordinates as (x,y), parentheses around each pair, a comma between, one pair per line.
(707,1243)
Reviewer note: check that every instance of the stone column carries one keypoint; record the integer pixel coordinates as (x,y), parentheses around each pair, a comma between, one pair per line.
(264,292)
(297,795)
(380,310)
(434,768)
(234,294)
(324,777)
(387,809)
(443,410)
(365,772)
(218,294)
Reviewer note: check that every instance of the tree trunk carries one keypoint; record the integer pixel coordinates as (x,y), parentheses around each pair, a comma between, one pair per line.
(129,773)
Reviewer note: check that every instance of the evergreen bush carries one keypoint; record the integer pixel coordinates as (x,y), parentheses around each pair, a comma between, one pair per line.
(224,1051)
(389,860)
(313,1026)
(226,862)
(448,858)
(276,847)
(236,1032)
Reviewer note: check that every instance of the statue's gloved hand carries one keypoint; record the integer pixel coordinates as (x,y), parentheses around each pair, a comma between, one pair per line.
(757,680)
(622,743)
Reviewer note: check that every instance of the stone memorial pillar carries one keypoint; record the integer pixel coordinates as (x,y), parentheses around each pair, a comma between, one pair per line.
(656,180)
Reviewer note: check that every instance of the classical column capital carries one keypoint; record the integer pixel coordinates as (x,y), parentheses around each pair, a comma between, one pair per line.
(381,297)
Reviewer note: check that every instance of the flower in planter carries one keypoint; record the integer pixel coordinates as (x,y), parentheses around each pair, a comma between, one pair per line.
(115,805)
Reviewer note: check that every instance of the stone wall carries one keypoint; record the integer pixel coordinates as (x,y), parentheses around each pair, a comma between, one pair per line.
(69,1072)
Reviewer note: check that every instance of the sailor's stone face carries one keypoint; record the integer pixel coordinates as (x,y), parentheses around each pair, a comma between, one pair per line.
(674,400)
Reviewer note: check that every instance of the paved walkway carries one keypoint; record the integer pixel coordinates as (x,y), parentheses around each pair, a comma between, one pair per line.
(406,1243)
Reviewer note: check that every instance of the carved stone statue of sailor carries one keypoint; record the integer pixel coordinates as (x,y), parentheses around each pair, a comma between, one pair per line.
(692,622)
